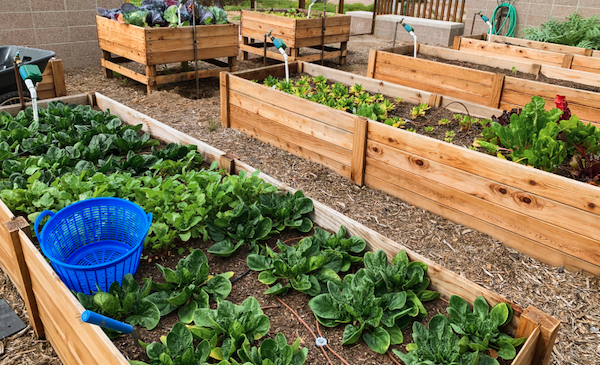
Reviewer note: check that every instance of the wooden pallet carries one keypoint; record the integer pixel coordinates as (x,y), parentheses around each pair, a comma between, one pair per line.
(296,33)
(55,312)
(486,88)
(53,83)
(563,58)
(157,46)
(546,216)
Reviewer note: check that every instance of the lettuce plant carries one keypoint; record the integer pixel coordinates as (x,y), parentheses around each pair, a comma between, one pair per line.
(272,352)
(378,320)
(232,324)
(127,300)
(480,327)
(189,286)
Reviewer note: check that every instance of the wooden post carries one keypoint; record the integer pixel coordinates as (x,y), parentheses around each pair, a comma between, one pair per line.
(245,53)
(13,227)
(371,64)
(151,75)
(58,75)
(456,44)
(343,48)
(227,163)
(232,63)
(294,53)
(567,61)
(375,5)
(359,151)
(301,4)
(341,8)
(224,84)
(528,322)
(107,56)
(462,12)
(497,86)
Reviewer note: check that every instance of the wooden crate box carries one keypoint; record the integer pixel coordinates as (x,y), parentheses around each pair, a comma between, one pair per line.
(487,88)
(549,217)
(55,312)
(53,83)
(156,46)
(296,33)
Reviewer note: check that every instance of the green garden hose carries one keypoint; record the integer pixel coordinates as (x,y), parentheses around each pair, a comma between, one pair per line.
(511,17)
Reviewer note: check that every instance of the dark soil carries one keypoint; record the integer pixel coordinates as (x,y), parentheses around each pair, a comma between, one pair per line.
(518,74)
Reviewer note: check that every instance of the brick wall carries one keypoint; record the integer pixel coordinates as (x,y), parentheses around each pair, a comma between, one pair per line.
(67,27)
(531,12)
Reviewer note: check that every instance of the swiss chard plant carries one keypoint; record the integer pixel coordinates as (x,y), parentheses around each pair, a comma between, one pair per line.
(378,320)
(272,352)
(400,275)
(480,327)
(127,301)
(301,265)
(232,324)
(189,287)
(531,138)
(287,210)
(439,345)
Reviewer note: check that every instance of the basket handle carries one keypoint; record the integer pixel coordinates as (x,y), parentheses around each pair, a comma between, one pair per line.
(149,217)
(38,220)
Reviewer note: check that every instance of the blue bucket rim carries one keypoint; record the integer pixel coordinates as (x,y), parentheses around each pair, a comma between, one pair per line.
(88,202)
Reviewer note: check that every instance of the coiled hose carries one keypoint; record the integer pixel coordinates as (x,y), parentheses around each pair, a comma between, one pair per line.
(511,18)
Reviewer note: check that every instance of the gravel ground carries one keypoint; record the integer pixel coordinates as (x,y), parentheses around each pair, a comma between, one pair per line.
(572,297)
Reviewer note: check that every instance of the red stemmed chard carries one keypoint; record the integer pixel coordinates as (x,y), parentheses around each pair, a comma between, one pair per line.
(561,103)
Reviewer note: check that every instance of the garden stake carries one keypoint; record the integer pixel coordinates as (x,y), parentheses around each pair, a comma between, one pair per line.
(195,49)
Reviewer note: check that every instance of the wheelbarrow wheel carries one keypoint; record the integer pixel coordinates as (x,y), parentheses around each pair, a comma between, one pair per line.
(12,98)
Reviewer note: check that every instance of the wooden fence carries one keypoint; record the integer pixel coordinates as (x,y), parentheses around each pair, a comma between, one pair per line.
(448,10)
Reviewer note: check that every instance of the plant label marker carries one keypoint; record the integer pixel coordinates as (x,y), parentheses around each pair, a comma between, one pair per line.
(10,323)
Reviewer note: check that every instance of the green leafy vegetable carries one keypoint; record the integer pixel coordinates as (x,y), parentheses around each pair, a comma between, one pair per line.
(287,210)
(272,352)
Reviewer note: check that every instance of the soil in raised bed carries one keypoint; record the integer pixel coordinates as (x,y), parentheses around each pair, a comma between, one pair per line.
(282,320)
(517,74)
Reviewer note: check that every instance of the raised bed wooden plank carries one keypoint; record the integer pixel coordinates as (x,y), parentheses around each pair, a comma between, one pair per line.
(538,56)
(527,351)
(544,46)
(587,64)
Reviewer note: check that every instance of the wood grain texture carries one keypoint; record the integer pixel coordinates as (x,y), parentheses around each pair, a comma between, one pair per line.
(527,351)
(545,46)
(548,327)
(359,146)
(224,93)
(503,50)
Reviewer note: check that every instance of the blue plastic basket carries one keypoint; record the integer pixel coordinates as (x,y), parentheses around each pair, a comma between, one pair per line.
(94,242)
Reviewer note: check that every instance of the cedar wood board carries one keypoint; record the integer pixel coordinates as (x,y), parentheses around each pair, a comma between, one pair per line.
(513,203)
(78,343)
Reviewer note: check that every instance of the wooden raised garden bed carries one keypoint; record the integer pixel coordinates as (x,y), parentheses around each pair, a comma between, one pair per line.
(544,46)
(560,57)
(549,217)
(158,46)
(55,312)
(296,33)
(495,90)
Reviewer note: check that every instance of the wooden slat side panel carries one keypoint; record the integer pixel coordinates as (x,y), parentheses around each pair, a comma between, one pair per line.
(539,56)
(588,64)
(567,191)
(413,80)
(293,148)
(451,196)
(316,41)
(159,58)
(581,77)
(336,118)
(173,45)
(544,46)
(88,343)
(267,18)
(121,50)
(299,123)
(202,31)
(527,351)
(284,133)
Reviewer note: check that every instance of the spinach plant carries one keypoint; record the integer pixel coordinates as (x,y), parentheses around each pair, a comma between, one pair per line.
(287,210)
(243,224)
(302,265)
(400,275)
(439,345)
(177,347)
(480,327)
(339,247)
(189,286)
(232,324)
(378,319)
(127,300)
(272,352)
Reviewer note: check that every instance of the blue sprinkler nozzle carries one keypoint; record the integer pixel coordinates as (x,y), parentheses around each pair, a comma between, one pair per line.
(278,43)
(485,18)
(408,27)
